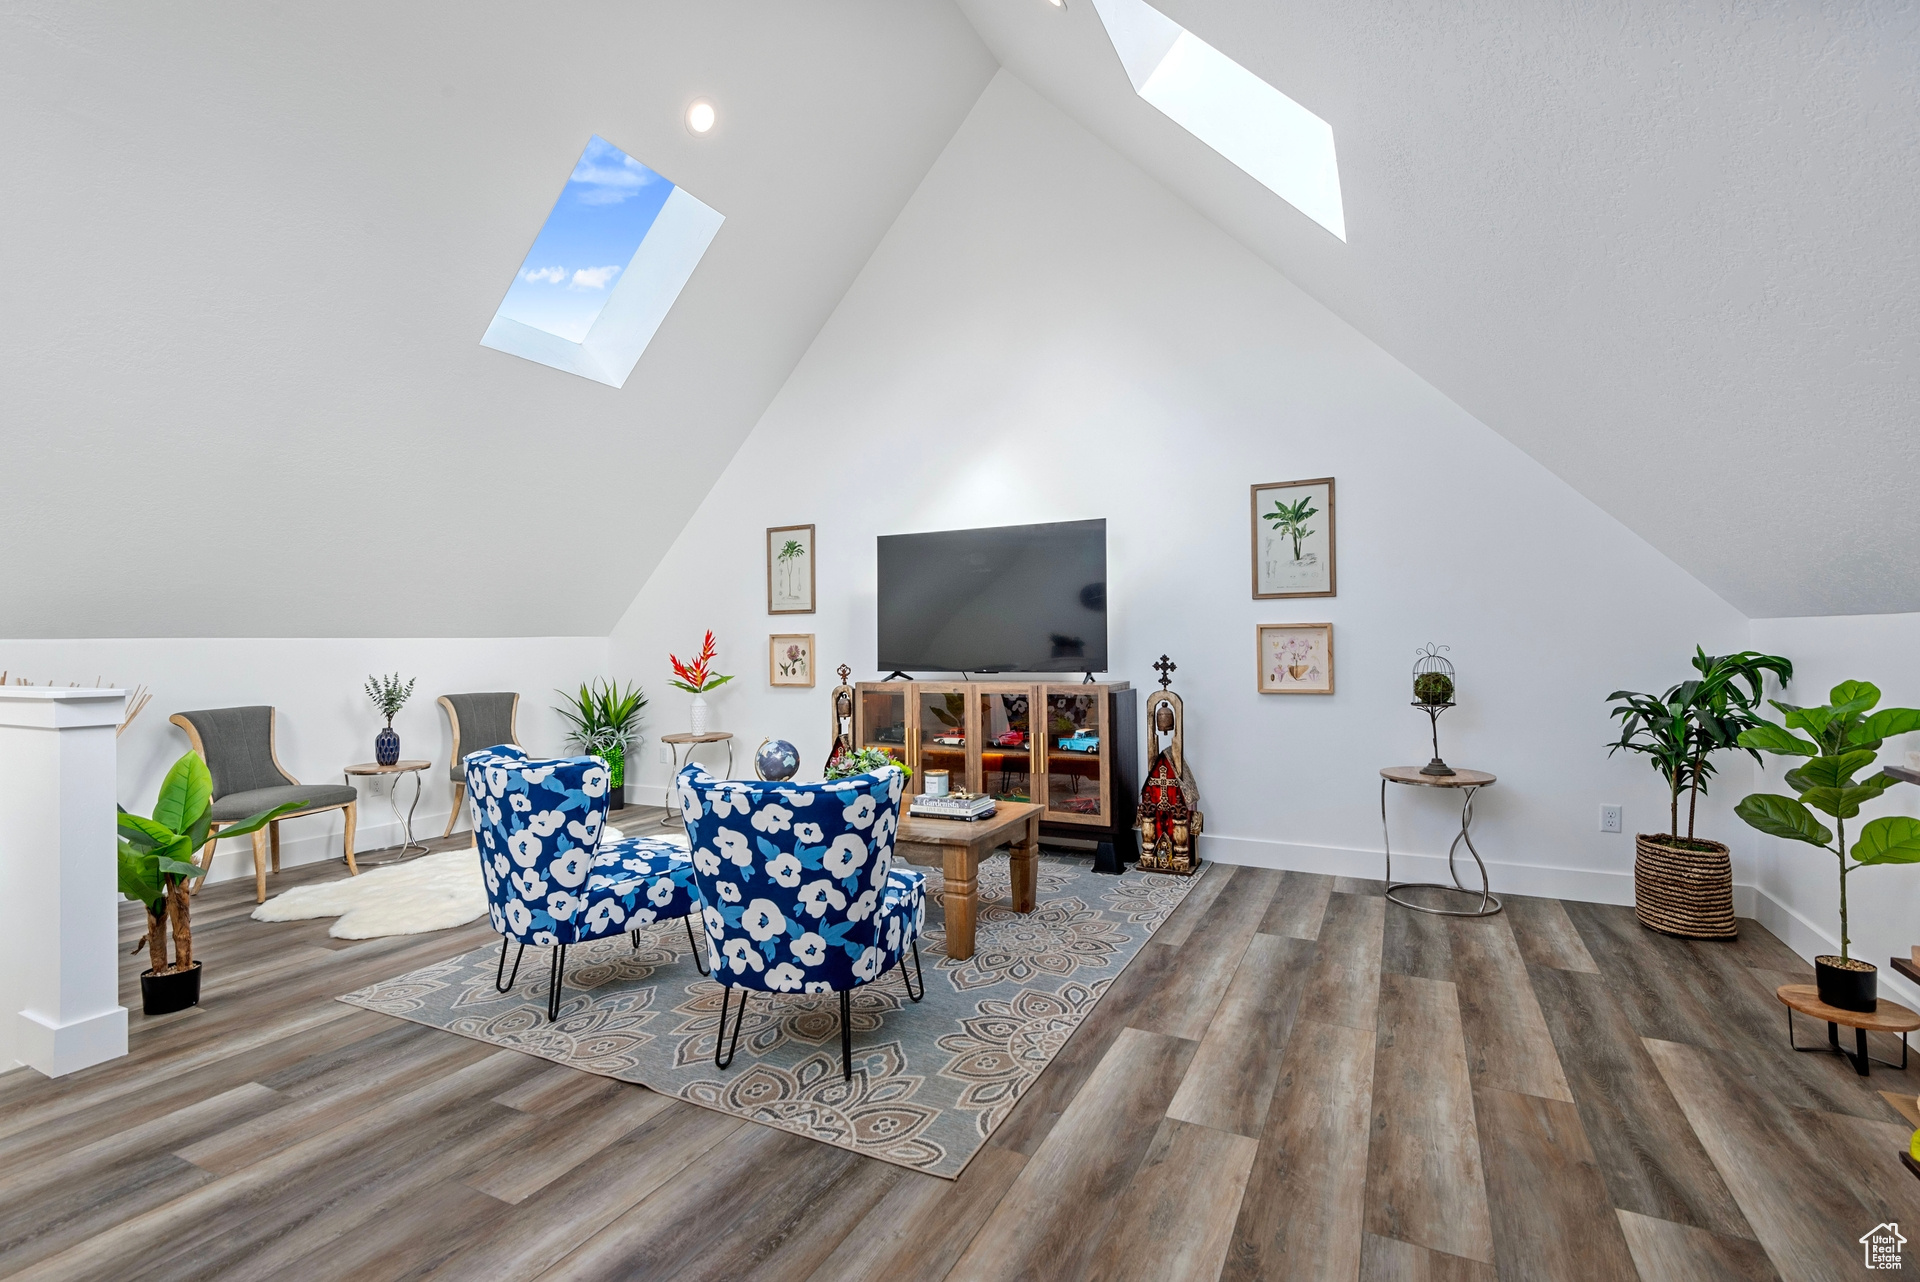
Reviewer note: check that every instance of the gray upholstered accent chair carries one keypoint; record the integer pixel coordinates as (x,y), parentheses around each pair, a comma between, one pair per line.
(238,746)
(479,721)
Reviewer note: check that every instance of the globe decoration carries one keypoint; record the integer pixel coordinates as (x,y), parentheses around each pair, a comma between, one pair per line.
(775,760)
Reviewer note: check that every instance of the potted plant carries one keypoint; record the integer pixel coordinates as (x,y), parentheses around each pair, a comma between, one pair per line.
(1845,738)
(156,865)
(862,761)
(696,679)
(389,696)
(602,719)
(1683,885)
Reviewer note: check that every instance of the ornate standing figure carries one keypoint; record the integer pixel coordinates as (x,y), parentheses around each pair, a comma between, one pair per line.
(1170,818)
(842,716)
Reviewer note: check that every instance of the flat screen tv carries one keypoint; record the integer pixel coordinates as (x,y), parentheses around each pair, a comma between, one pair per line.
(1013,598)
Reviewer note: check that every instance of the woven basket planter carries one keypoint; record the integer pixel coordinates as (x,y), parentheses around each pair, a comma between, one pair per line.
(1683,892)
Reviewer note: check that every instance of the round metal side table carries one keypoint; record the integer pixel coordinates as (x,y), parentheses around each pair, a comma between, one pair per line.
(1468,782)
(690,742)
(394,772)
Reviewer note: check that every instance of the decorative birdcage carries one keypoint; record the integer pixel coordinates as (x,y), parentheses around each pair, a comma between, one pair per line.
(1433,690)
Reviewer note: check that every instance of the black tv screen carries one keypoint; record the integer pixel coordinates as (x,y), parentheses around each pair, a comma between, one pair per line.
(1013,598)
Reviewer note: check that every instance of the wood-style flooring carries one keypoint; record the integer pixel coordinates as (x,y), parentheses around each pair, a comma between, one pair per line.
(1295,1079)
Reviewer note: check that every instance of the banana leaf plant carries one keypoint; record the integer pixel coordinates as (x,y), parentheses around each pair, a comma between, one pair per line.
(156,856)
(1680,730)
(1842,738)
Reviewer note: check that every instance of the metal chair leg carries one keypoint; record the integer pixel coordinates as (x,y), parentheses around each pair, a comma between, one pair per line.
(556,979)
(846,1034)
(918,974)
(719,1040)
(699,946)
(499,987)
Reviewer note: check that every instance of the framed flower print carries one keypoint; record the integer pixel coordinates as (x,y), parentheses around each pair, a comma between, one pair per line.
(790,659)
(1295,658)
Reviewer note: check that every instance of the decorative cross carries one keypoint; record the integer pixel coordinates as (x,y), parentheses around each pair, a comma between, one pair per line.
(1165,668)
(845,672)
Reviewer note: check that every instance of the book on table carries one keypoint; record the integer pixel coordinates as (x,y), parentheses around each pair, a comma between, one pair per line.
(927,806)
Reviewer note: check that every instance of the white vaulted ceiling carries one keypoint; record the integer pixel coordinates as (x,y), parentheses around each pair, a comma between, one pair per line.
(1671,251)
(248,253)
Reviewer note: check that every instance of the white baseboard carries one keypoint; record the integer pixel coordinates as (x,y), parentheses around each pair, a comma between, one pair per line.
(318,839)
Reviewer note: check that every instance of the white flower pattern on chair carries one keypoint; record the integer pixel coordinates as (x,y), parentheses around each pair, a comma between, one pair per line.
(813,905)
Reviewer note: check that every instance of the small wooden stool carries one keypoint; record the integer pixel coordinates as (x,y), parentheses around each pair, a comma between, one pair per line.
(1887,1017)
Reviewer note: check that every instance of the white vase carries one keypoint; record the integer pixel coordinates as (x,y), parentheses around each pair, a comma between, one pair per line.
(697,714)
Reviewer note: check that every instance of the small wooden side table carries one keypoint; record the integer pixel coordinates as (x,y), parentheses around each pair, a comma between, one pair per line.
(1469,782)
(958,846)
(1885,1017)
(672,818)
(397,769)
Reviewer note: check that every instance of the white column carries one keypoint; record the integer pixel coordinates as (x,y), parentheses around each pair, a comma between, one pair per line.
(59,952)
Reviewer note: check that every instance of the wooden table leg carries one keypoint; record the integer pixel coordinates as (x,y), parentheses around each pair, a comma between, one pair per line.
(1023,859)
(960,867)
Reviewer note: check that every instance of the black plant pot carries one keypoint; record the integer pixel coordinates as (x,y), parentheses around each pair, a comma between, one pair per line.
(165,994)
(386,747)
(1847,989)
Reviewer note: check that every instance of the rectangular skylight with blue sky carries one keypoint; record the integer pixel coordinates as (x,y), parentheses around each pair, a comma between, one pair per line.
(616,249)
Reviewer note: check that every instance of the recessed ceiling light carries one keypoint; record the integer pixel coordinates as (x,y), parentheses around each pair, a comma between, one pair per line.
(700,116)
(1058,4)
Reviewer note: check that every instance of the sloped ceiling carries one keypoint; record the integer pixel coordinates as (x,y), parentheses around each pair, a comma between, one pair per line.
(1673,252)
(249,250)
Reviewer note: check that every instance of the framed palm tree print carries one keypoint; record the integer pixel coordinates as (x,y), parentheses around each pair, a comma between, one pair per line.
(790,569)
(1293,539)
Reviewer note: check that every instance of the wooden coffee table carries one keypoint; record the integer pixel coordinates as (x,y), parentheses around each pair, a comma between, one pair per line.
(1887,1017)
(957,847)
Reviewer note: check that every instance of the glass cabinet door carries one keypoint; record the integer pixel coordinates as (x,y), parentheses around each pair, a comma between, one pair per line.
(1006,742)
(1076,732)
(943,735)
(883,721)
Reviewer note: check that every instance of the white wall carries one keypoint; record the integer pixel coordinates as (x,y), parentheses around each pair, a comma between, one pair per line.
(326,720)
(1047,334)
(1799,893)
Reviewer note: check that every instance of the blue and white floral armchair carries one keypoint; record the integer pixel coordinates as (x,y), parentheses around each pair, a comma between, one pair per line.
(550,881)
(799,890)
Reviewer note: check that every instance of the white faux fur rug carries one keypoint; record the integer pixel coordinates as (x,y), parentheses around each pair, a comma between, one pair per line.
(434,892)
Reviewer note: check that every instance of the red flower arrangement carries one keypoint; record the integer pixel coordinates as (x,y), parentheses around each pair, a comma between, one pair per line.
(697,677)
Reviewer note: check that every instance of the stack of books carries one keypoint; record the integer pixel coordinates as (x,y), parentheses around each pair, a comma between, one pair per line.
(951,806)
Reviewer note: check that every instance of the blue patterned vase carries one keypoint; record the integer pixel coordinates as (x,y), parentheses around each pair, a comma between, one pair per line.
(386,747)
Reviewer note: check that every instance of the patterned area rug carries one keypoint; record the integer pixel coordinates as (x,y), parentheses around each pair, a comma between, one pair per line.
(931,1080)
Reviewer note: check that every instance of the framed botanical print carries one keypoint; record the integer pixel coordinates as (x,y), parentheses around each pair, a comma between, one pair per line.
(790,570)
(1296,658)
(1293,539)
(790,659)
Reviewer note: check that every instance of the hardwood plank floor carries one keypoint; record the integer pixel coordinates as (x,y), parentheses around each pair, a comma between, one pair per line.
(1295,1079)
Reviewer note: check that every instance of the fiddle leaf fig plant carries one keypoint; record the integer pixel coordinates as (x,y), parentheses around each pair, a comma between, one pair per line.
(1840,739)
(156,856)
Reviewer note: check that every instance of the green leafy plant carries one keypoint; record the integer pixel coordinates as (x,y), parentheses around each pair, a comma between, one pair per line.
(954,715)
(789,554)
(1291,519)
(389,695)
(864,761)
(1842,738)
(1680,731)
(156,856)
(1433,688)
(602,719)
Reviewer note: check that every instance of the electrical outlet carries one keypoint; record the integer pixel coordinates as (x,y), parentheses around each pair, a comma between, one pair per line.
(666,755)
(1611,819)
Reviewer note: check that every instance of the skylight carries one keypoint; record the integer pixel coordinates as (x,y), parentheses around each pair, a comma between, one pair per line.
(613,255)
(1282,145)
